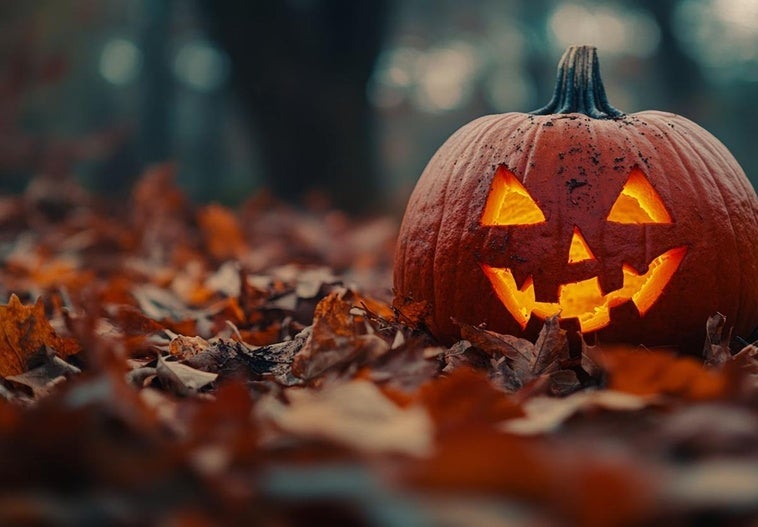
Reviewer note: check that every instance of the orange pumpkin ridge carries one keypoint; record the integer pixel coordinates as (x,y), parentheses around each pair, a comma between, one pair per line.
(635,228)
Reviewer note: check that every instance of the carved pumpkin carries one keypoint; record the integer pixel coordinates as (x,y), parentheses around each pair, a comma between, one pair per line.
(634,228)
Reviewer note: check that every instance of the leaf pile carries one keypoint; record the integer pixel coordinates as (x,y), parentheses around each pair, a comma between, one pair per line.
(163,363)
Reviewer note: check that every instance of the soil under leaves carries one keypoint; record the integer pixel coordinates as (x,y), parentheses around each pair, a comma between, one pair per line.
(163,363)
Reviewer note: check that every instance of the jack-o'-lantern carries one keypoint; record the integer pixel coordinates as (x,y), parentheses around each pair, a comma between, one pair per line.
(633,228)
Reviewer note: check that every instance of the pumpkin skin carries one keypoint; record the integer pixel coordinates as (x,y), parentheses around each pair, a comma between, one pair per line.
(574,162)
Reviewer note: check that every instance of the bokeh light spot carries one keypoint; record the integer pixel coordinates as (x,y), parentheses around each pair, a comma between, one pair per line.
(201,65)
(613,29)
(120,61)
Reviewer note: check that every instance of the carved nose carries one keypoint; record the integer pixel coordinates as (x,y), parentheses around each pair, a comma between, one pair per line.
(579,250)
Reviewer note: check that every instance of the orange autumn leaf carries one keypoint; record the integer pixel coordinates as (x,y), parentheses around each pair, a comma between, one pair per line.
(223,235)
(263,336)
(332,319)
(57,272)
(596,482)
(156,193)
(573,483)
(25,331)
(375,307)
(485,461)
(410,312)
(660,373)
(464,399)
(334,327)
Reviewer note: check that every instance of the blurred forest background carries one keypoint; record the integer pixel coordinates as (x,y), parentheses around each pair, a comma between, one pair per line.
(351,97)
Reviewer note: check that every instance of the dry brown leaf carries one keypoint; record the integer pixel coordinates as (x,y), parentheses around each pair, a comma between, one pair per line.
(406,367)
(410,313)
(604,490)
(519,352)
(355,414)
(716,348)
(746,359)
(182,379)
(741,370)
(464,400)
(551,347)
(336,339)
(464,354)
(222,233)
(714,484)
(26,332)
(185,347)
(225,423)
(576,485)
(161,216)
(42,379)
(517,362)
(332,319)
(547,414)
(640,372)
(712,429)
(483,460)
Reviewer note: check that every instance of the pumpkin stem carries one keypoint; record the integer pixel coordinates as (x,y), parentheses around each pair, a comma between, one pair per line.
(578,88)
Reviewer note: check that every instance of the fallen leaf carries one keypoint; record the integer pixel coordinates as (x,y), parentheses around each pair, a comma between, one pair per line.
(464,354)
(591,361)
(519,352)
(355,414)
(574,484)
(550,349)
(716,348)
(222,233)
(42,379)
(337,339)
(228,280)
(547,414)
(185,347)
(484,461)
(715,484)
(517,362)
(26,332)
(226,419)
(161,216)
(182,379)
(708,430)
(411,313)
(563,382)
(598,489)
(741,371)
(466,399)
(405,367)
(640,372)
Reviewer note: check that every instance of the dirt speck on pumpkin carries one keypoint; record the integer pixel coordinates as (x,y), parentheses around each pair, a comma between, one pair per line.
(574,184)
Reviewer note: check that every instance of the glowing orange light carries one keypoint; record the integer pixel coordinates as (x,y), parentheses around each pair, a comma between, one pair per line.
(638,202)
(509,203)
(585,300)
(579,251)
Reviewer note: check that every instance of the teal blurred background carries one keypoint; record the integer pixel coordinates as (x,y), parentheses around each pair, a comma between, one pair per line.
(345,98)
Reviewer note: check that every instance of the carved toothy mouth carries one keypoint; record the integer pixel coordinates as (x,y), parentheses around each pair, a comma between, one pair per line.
(585,300)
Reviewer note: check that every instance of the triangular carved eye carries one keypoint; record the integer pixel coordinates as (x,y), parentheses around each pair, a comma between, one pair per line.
(579,251)
(509,203)
(638,202)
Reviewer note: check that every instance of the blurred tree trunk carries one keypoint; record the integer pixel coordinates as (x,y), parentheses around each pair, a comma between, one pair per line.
(687,93)
(155,118)
(678,74)
(301,68)
(537,58)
